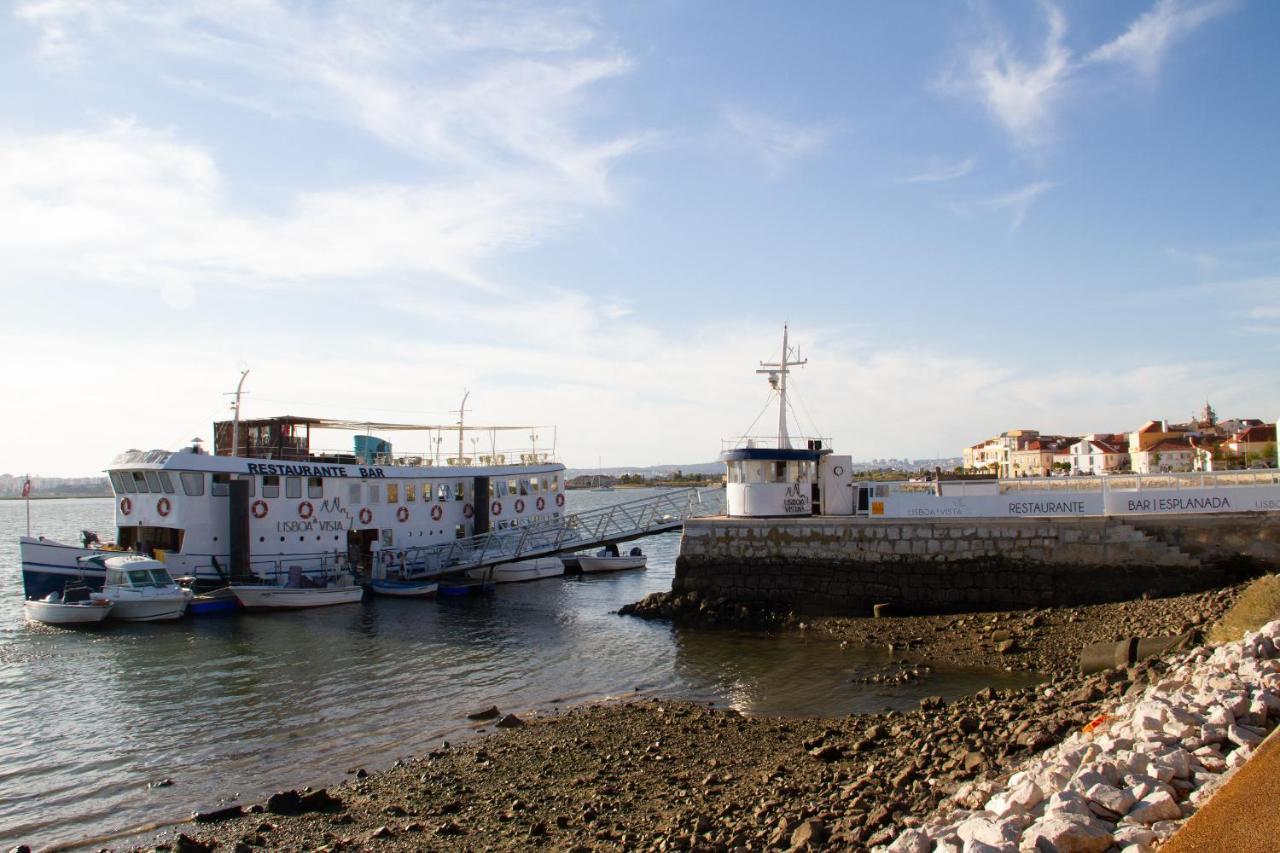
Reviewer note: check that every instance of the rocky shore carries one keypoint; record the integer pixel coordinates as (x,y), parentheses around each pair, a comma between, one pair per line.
(669,775)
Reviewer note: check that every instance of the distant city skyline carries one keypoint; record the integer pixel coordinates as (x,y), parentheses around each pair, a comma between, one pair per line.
(598,216)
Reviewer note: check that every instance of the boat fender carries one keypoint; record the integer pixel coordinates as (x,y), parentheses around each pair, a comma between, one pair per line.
(402,514)
(259,509)
(559,500)
(437,512)
(366,515)
(496,508)
(305,510)
(126,506)
(162,507)
(519,504)
(467,511)
(542,503)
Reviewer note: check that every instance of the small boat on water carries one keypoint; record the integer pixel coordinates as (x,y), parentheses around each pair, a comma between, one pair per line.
(298,591)
(609,560)
(74,606)
(403,588)
(221,600)
(141,590)
(520,570)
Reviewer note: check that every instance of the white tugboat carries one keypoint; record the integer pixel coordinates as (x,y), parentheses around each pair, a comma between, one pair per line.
(267,502)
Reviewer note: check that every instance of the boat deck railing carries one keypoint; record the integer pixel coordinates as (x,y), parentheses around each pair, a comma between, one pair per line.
(1101,483)
(770,442)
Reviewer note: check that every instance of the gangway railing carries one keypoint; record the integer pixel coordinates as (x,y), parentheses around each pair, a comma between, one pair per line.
(575,531)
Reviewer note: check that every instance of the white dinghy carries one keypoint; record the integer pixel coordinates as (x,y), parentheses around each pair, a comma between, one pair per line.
(520,570)
(73,607)
(609,560)
(298,592)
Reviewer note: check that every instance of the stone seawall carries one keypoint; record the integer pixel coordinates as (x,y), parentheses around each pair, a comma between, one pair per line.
(844,565)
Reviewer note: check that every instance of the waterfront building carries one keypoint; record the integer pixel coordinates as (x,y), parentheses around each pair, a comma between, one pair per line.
(1100,453)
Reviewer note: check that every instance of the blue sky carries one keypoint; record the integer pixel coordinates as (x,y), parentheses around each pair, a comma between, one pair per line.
(975,216)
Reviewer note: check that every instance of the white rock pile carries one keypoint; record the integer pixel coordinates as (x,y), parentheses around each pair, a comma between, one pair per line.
(1130,782)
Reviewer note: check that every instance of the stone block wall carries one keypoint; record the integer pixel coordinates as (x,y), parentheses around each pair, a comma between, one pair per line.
(846,565)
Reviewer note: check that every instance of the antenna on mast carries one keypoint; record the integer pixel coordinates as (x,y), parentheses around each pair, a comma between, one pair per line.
(235,406)
(777,372)
(462,415)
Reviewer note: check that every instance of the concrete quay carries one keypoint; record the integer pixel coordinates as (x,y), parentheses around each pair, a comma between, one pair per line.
(826,565)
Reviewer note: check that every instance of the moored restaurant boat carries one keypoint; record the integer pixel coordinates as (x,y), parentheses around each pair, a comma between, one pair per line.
(269,498)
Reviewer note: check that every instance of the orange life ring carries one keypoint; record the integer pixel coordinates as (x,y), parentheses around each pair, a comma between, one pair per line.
(259,509)
(437,512)
(305,510)
(366,515)
(559,500)
(402,514)
(162,507)
(542,503)
(519,504)
(126,506)
(496,508)
(467,511)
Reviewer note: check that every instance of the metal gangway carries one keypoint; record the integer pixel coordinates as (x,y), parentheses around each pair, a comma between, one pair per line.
(620,522)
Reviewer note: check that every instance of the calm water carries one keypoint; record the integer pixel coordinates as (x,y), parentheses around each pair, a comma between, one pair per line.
(243,705)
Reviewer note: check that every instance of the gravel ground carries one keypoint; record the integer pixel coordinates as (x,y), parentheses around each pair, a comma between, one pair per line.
(669,775)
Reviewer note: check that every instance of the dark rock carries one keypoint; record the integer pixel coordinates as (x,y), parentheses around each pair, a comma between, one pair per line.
(242,847)
(186,844)
(967,725)
(449,828)
(827,753)
(538,830)
(932,703)
(361,773)
(394,811)
(218,814)
(811,833)
(21,848)
(383,831)
(510,721)
(285,802)
(1007,646)
(160,783)
(485,714)
(319,801)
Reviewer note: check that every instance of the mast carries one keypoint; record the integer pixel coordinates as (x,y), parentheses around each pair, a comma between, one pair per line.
(777,373)
(235,405)
(462,414)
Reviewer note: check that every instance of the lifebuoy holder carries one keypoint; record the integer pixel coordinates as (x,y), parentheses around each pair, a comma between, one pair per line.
(402,514)
(366,515)
(305,510)
(126,506)
(162,507)
(259,509)
(519,504)
(542,503)
(559,500)
(437,512)
(496,508)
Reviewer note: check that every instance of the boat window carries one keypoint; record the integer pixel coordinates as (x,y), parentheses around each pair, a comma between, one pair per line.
(533,484)
(373,493)
(221,485)
(555,483)
(140,482)
(115,577)
(160,577)
(409,494)
(393,493)
(458,491)
(512,487)
(493,488)
(270,486)
(524,487)
(315,487)
(153,481)
(192,483)
(166,482)
(116,484)
(459,532)
(353,494)
(251,480)
(293,487)
(139,577)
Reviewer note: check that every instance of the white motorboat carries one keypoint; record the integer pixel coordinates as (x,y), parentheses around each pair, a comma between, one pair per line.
(608,560)
(298,593)
(141,590)
(520,570)
(57,609)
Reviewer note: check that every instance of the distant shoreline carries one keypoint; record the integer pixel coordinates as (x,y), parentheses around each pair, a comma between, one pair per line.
(52,497)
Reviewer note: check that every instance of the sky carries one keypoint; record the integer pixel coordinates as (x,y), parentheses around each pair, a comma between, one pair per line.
(975,217)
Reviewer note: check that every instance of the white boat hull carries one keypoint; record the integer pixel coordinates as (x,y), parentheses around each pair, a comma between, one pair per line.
(520,570)
(404,589)
(150,609)
(58,613)
(591,565)
(265,597)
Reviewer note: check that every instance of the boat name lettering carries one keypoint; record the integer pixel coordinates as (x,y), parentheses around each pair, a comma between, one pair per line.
(1177,504)
(312,526)
(310,470)
(795,505)
(1045,507)
(920,510)
(1267,503)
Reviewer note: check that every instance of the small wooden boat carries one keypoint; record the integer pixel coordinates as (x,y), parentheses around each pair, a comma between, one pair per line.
(403,588)
(54,610)
(604,561)
(520,570)
(222,600)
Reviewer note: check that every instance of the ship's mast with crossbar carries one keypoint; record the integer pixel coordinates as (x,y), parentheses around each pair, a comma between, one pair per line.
(777,372)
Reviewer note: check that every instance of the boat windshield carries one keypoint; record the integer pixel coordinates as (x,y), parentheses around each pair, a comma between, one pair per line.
(149,577)
(161,577)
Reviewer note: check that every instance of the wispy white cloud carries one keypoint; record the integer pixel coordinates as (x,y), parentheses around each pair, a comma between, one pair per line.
(1204,261)
(938,171)
(1150,37)
(1016,203)
(1019,95)
(773,142)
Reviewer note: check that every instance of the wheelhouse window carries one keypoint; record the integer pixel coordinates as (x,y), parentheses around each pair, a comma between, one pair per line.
(153,481)
(166,482)
(353,494)
(555,482)
(393,493)
(117,484)
(512,487)
(140,482)
(221,485)
(192,483)
(293,487)
(373,493)
(409,495)
(270,486)
(315,487)
(442,492)
(459,490)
